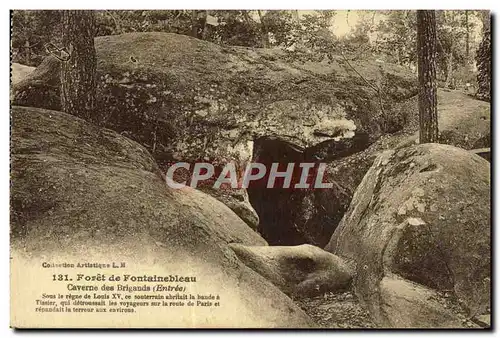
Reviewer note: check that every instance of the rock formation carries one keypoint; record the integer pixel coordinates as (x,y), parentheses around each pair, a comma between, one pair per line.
(186,99)
(421,213)
(300,271)
(81,191)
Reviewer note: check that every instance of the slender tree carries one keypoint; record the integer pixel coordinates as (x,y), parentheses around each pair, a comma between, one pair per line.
(485,19)
(467,37)
(263,28)
(194,23)
(427,96)
(203,34)
(483,58)
(78,72)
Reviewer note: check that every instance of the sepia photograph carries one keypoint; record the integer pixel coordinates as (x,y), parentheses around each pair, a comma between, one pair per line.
(212,169)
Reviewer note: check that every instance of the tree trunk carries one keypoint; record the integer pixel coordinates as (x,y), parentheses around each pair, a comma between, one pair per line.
(483,58)
(449,67)
(78,73)
(194,24)
(27,53)
(485,16)
(263,29)
(467,37)
(204,27)
(427,96)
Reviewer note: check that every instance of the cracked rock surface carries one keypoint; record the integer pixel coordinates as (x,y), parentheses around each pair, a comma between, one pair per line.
(420,219)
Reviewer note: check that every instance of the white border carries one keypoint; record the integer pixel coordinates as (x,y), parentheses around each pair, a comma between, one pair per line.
(218,4)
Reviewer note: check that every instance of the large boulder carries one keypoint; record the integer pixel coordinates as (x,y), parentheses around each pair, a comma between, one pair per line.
(39,87)
(421,213)
(174,93)
(19,72)
(299,271)
(411,305)
(463,122)
(186,99)
(80,192)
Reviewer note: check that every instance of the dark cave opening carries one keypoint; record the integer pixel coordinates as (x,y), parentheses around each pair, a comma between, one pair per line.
(277,207)
(291,216)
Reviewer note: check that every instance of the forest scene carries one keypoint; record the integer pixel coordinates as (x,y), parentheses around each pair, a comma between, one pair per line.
(395,104)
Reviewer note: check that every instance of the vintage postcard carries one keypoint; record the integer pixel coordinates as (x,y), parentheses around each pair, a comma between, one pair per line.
(250,169)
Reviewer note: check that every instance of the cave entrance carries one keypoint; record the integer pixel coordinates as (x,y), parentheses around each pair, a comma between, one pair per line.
(296,216)
(277,207)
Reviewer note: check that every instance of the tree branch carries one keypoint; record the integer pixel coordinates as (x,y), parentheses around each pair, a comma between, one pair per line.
(376,88)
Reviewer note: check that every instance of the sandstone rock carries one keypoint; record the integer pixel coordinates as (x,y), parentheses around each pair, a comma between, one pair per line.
(463,122)
(199,88)
(423,213)
(484,320)
(191,100)
(81,191)
(300,271)
(311,216)
(19,72)
(39,88)
(339,310)
(238,201)
(409,305)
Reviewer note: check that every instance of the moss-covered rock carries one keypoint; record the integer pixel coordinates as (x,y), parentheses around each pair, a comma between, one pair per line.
(463,122)
(191,100)
(423,213)
(87,193)
(299,271)
(182,97)
(38,88)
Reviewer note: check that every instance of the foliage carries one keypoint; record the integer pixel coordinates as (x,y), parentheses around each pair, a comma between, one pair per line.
(30,31)
(452,49)
(282,28)
(235,28)
(398,37)
(359,42)
(457,43)
(314,30)
(389,35)
(484,67)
